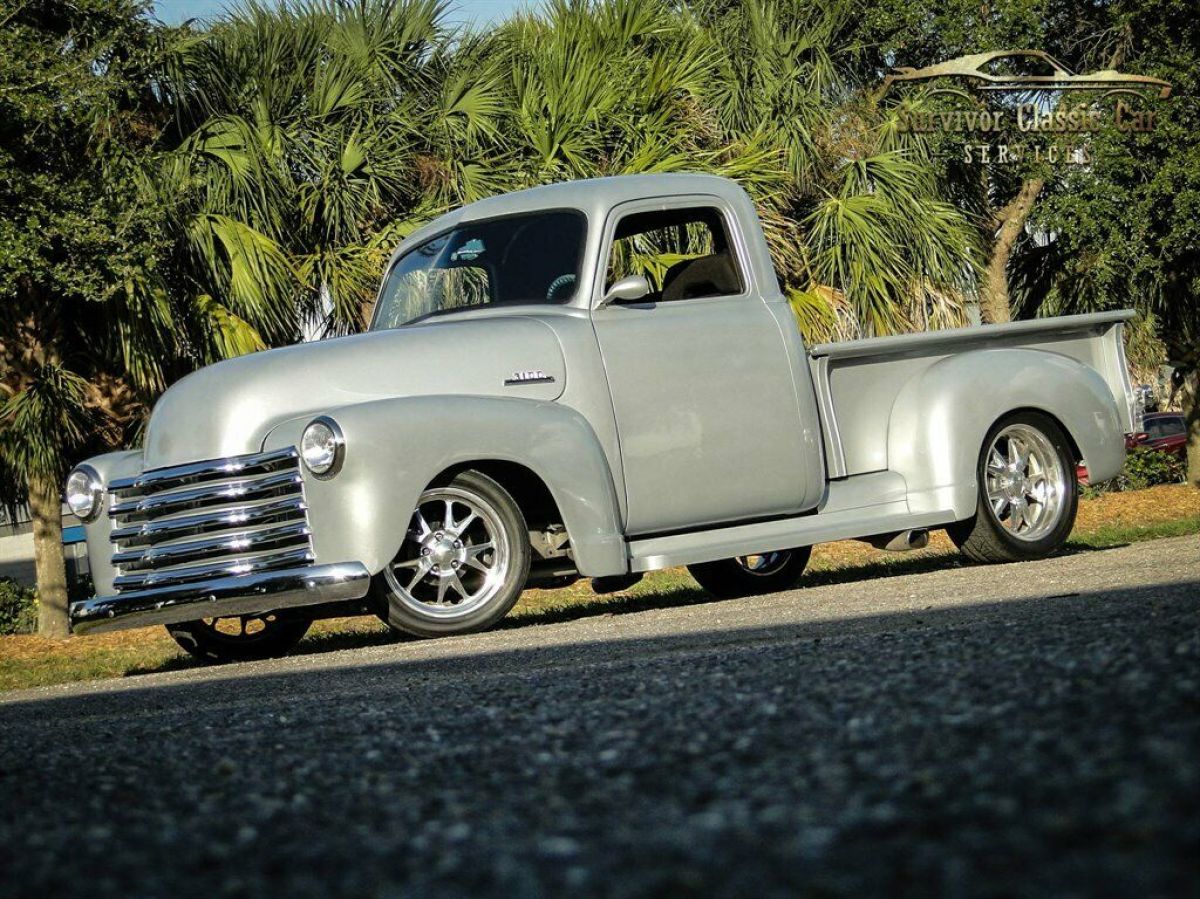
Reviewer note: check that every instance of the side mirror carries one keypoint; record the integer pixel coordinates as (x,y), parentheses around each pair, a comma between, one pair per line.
(631,287)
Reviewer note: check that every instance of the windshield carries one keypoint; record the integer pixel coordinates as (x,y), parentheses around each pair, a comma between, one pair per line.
(518,259)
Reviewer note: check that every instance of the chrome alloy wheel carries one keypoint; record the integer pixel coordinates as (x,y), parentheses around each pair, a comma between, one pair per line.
(455,557)
(1026,484)
(762,564)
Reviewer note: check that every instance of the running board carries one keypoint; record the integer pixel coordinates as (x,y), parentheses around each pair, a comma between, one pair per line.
(653,553)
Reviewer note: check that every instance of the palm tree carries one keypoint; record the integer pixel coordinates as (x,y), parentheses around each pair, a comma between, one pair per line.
(80,349)
(299,142)
(863,239)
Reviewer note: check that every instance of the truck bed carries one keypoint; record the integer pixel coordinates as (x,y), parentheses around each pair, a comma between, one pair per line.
(857,381)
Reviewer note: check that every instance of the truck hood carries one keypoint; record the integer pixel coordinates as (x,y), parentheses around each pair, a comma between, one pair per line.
(228,409)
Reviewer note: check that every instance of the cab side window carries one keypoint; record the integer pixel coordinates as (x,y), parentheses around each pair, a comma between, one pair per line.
(685,254)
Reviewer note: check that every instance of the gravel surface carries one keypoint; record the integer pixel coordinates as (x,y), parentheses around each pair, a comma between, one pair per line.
(1026,729)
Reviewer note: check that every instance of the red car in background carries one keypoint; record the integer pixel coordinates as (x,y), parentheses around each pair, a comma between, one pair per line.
(1162,431)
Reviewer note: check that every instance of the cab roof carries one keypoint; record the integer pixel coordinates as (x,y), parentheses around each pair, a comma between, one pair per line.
(594,197)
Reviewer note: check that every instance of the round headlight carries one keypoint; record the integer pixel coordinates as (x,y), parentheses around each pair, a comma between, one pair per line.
(322,447)
(85,492)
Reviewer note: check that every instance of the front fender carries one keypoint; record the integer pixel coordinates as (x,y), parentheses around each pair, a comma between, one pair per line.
(396,447)
(940,418)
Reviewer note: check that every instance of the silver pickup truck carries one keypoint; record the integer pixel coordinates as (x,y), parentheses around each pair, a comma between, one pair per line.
(592,379)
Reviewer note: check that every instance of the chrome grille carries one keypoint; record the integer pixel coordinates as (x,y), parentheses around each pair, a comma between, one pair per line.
(190,523)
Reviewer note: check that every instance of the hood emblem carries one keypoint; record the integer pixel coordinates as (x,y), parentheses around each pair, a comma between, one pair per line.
(529,376)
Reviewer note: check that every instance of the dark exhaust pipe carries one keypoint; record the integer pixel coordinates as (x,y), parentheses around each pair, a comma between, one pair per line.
(900,541)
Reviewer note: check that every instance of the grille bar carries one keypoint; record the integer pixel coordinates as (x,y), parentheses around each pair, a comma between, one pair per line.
(225,568)
(159,479)
(152,532)
(212,547)
(219,519)
(263,487)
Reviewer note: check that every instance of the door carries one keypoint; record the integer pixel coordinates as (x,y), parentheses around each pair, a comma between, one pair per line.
(701,385)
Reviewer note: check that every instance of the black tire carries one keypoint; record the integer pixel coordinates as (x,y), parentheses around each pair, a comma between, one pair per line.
(985,537)
(245,639)
(418,611)
(734,578)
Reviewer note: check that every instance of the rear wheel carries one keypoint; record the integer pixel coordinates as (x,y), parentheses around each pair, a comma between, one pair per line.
(463,563)
(751,575)
(245,638)
(1028,495)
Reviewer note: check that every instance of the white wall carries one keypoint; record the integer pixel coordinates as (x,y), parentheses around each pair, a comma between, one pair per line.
(16,555)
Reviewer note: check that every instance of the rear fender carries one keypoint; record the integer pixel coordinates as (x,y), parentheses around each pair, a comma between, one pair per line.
(396,447)
(940,418)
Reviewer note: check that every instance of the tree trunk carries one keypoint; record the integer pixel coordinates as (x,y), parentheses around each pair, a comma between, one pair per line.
(1190,402)
(45,506)
(994,305)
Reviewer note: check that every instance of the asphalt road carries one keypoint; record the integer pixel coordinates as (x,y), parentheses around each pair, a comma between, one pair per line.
(1023,729)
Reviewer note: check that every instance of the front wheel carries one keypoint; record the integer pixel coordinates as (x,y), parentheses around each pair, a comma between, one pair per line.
(751,575)
(246,638)
(1028,494)
(463,562)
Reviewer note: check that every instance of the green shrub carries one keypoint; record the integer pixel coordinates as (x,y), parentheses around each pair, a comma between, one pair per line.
(1144,467)
(18,608)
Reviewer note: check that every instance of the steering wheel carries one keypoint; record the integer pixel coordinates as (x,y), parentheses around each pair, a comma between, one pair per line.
(558,284)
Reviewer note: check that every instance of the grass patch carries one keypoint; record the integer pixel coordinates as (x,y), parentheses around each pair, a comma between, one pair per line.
(1114,519)
(1121,534)
(31,661)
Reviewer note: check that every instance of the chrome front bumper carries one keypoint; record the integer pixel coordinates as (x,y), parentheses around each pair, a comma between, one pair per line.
(243,594)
